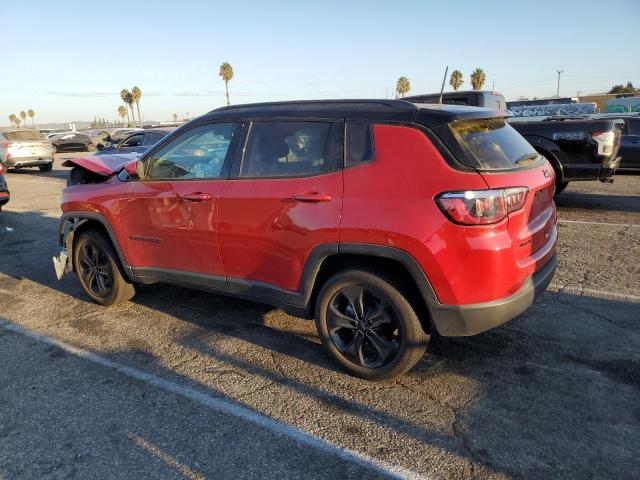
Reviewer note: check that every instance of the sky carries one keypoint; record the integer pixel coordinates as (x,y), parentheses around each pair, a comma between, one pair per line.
(68,60)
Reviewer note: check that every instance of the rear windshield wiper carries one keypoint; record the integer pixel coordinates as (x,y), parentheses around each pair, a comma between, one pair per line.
(528,156)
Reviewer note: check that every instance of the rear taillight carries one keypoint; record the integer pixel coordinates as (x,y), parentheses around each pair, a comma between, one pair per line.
(605,141)
(6,145)
(481,207)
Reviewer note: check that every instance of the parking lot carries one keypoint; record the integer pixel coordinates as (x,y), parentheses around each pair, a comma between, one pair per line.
(181,383)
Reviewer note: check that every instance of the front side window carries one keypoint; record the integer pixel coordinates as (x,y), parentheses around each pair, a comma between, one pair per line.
(197,153)
(290,149)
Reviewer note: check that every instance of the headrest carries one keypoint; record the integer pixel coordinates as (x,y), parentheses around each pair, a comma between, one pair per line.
(273,147)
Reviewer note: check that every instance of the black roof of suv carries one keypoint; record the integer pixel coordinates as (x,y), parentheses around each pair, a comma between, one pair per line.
(430,115)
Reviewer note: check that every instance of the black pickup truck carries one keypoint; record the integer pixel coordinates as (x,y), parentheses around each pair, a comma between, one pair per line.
(579,148)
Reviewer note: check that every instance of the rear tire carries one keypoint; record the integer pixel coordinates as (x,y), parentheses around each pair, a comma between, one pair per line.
(368,326)
(91,147)
(98,269)
(46,168)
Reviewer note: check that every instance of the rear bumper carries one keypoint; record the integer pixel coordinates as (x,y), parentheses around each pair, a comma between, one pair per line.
(4,196)
(28,162)
(465,320)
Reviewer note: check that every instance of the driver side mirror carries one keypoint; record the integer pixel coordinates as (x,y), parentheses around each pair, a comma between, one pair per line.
(134,169)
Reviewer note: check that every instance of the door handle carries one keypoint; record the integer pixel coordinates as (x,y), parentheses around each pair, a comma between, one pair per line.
(312,198)
(197,197)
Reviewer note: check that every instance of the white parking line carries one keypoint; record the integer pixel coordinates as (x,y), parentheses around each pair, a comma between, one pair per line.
(223,406)
(581,222)
(593,292)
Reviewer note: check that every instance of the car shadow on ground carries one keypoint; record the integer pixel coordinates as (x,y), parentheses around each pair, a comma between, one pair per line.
(34,172)
(598,201)
(551,394)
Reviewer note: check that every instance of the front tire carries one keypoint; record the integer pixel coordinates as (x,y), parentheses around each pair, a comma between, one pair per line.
(91,147)
(98,269)
(368,326)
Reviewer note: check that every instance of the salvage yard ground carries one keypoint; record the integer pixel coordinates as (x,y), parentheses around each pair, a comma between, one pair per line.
(186,384)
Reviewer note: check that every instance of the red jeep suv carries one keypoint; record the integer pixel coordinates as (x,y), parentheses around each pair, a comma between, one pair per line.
(383,219)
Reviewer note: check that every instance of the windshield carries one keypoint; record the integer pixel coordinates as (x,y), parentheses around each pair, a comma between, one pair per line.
(16,136)
(491,144)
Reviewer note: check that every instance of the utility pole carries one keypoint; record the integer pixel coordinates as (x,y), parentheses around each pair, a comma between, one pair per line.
(444,79)
(558,89)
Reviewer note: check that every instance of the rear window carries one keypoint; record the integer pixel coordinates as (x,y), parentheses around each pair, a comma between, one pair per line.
(16,136)
(491,144)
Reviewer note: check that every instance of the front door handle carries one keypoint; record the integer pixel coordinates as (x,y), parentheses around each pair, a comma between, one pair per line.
(197,197)
(312,198)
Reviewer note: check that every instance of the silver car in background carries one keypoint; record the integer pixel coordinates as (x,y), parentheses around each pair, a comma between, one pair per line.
(25,147)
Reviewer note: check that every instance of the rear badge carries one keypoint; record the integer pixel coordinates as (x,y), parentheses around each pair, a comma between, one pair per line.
(546,173)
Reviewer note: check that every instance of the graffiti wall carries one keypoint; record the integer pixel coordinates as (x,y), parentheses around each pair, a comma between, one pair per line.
(554,110)
(623,105)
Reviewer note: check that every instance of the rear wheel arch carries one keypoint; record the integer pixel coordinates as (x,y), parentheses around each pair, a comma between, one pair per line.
(389,262)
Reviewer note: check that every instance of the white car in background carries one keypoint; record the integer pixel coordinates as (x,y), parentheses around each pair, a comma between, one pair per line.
(25,147)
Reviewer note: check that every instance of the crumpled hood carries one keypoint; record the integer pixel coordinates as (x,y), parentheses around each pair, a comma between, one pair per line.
(104,165)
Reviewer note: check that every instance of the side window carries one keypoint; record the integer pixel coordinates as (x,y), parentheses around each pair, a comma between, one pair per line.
(359,143)
(289,149)
(133,141)
(197,153)
(152,138)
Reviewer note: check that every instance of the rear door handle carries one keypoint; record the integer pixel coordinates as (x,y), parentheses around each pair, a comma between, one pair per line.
(197,197)
(312,198)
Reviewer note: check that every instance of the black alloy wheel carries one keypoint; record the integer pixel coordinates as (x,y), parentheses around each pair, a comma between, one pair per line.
(363,326)
(95,270)
(368,325)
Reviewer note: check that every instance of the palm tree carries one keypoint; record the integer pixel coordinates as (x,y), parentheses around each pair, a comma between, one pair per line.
(23,115)
(12,119)
(137,93)
(456,80)
(31,114)
(175,117)
(403,86)
(124,95)
(226,72)
(477,79)
(130,103)
(123,112)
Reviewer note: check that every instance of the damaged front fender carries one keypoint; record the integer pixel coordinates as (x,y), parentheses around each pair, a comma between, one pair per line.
(63,263)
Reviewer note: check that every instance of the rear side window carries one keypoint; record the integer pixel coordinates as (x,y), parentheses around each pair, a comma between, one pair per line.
(25,135)
(291,149)
(490,144)
(359,143)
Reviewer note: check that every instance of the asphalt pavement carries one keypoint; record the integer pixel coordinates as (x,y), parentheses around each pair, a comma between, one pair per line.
(180,383)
